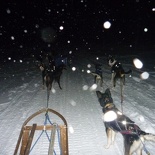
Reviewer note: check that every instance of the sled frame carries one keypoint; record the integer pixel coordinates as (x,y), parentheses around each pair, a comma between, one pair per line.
(27,133)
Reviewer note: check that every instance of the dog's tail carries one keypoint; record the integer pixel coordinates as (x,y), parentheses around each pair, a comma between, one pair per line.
(149,137)
(93,73)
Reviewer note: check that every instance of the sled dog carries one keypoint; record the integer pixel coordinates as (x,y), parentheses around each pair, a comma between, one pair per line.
(133,136)
(117,71)
(54,75)
(98,78)
(49,76)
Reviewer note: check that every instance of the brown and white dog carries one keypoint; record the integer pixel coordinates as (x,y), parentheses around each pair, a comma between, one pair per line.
(133,136)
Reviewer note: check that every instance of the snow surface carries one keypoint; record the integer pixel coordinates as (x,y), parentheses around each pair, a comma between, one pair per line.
(21,95)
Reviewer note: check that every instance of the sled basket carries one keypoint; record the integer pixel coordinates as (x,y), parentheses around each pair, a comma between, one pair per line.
(27,134)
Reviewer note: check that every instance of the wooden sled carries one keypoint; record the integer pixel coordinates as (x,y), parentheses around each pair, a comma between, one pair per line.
(27,133)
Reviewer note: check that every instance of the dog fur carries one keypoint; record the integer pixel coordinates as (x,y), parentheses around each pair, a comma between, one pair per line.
(43,70)
(117,71)
(132,134)
(49,76)
(54,75)
(98,78)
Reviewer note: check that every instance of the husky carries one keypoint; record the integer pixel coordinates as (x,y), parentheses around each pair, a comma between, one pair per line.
(45,64)
(117,73)
(98,78)
(54,75)
(133,136)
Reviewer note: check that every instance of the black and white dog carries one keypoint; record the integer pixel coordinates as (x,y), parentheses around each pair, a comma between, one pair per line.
(133,136)
(117,71)
(98,78)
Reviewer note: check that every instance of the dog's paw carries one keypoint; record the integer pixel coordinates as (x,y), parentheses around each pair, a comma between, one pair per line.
(106,146)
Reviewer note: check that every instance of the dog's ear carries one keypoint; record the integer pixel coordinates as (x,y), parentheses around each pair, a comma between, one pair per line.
(99,94)
(107,91)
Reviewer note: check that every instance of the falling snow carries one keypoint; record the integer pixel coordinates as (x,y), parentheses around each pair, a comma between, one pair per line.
(29,29)
(22,95)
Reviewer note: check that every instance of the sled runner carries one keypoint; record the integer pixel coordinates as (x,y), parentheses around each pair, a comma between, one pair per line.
(26,140)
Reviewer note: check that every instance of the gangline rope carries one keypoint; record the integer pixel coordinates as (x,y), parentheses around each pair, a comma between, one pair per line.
(47,119)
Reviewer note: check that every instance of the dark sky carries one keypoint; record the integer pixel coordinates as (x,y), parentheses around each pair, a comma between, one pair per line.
(34,25)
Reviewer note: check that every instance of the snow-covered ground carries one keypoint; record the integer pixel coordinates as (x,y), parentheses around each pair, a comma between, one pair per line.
(21,95)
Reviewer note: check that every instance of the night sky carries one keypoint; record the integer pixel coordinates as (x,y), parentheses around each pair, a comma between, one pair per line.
(31,26)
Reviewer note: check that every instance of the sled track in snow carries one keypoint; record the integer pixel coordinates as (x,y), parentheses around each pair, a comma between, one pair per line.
(20,95)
